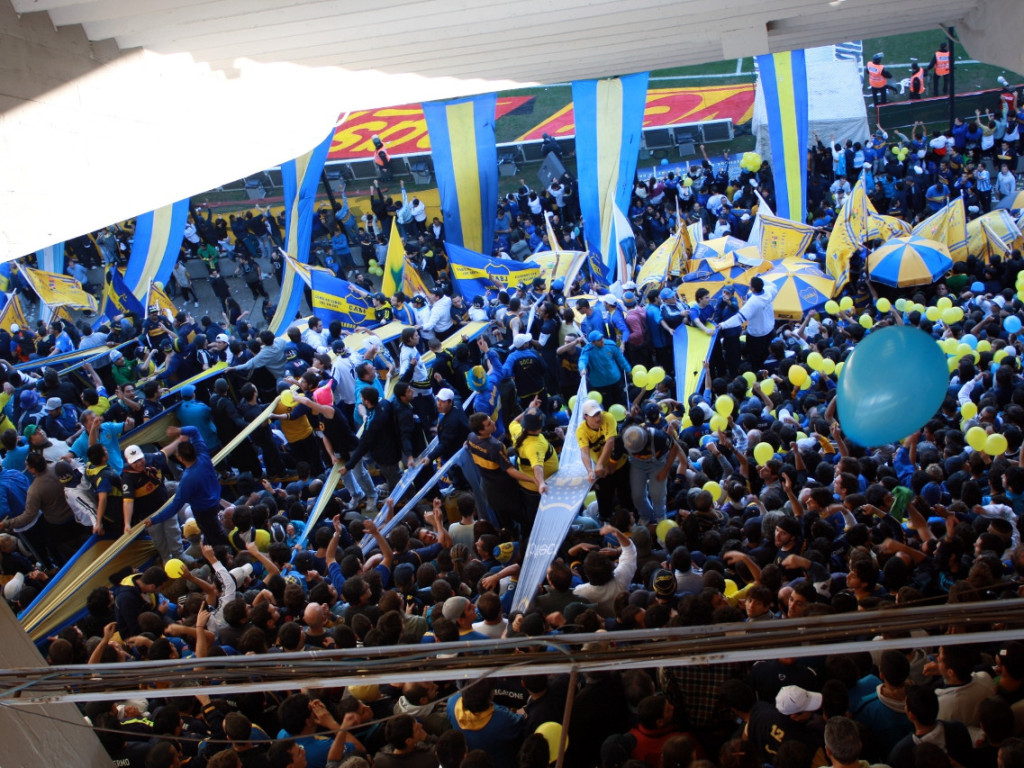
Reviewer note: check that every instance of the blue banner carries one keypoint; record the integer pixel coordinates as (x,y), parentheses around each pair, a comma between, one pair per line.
(466,165)
(155,247)
(609,117)
(783,79)
(337,299)
(118,298)
(600,273)
(300,178)
(474,274)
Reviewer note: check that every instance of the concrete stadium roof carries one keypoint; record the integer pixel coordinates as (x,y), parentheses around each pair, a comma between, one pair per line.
(137,103)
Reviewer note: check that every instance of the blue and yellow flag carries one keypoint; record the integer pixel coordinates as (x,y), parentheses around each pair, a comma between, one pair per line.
(783,80)
(466,166)
(118,299)
(655,270)
(609,117)
(300,178)
(412,282)
(155,247)
(159,303)
(474,274)
(54,290)
(51,258)
(337,299)
(600,273)
(394,263)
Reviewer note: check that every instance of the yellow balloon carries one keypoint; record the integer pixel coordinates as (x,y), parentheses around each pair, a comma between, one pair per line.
(797,375)
(832,307)
(953,363)
(552,733)
(763,453)
(718,423)
(944,303)
(662,529)
(883,305)
(846,303)
(828,366)
(639,369)
(949,346)
(595,396)
(984,345)
(640,379)
(175,568)
(949,316)
(976,438)
(968,410)
(590,499)
(865,321)
(933,313)
(996,444)
(999,354)
(814,361)
(713,488)
(572,403)
(963,349)
(655,375)
(807,383)
(724,406)
(839,367)
(751,378)
(617,411)
(768,386)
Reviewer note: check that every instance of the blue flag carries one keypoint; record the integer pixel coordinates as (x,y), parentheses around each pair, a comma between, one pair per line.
(474,274)
(117,298)
(600,272)
(337,299)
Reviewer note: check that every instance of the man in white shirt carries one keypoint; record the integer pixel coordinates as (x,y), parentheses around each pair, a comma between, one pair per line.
(439,322)
(759,315)
(315,335)
(1006,183)
(343,373)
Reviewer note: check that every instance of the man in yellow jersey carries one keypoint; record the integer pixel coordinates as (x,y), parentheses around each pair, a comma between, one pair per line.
(537,460)
(603,458)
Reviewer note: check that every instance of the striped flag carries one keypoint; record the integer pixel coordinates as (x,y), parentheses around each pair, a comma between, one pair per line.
(783,82)
(155,247)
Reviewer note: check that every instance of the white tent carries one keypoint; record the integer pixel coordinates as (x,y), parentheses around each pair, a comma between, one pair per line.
(836,98)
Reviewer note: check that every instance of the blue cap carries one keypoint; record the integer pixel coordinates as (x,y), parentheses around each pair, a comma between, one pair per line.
(188,391)
(667,293)
(594,336)
(977,287)
(557,284)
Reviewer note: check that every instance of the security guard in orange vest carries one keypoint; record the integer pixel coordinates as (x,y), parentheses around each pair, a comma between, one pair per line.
(941,65)
(877,79)
(916,80)
(381,159)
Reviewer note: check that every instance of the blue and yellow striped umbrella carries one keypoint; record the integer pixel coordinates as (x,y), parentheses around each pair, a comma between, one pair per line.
(798,292)
(718,255)
(910,260)
(737,277)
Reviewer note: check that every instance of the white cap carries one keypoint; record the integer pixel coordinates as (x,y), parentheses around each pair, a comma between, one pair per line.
(609,299)
(241,573)
(792,700)
(223,337)
(629,285)
(521,340)
(445,394)
(15,327)
(13,587)
(591,407)
(133,453)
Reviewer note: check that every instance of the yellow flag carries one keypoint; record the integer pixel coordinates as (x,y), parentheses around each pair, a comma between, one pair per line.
(781,238)
(158,302)
(13,313)
(394,263)
(657,266)
(412,282)
(54,290)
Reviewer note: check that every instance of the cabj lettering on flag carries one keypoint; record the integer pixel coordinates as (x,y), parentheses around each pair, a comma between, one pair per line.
(466,166)
(118,298)
(783,81)
(609,118)
(336,299)
(474,274)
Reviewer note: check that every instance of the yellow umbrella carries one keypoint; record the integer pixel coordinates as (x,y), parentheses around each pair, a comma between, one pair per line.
(910,260)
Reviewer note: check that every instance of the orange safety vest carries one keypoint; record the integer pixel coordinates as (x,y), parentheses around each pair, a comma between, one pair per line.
(875,77)
(942,62)
(917,82)
(381,161)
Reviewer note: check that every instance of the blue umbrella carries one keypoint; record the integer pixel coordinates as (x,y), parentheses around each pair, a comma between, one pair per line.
(909,260)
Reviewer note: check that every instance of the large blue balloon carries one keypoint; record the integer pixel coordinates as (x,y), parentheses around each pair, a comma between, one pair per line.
(1012,324)
(893,383)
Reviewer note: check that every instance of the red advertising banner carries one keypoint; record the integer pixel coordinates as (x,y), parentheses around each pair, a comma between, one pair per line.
(669,106)
(402,129)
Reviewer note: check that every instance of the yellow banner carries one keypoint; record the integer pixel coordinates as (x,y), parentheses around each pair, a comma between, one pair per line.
(54,290)
(781,237)
(13,313)
(158,302)
(656,268)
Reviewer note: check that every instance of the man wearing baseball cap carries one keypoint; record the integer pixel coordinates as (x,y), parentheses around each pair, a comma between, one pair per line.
(56,422)
(605,367)
(603,458)
(143,493)
(788,719)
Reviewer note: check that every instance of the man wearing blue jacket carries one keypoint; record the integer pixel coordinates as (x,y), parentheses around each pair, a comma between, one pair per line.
(605,368)
(199,486)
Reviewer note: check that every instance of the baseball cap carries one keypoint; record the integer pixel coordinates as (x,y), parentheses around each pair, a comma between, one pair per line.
(63,471)
(520,340)
(28,398)
(666,294)
(591,407)
(241,573)
(594,336)
(188,391)
(454,607)
(223,337)
(133,453)
(792,700)
(190,528)
(557,284)
(609,299)
(54,404)
(445,394)
(15,327)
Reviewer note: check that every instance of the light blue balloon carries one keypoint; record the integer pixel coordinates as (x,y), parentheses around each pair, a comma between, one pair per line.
(1012,324)
(970,339)
(893,383)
